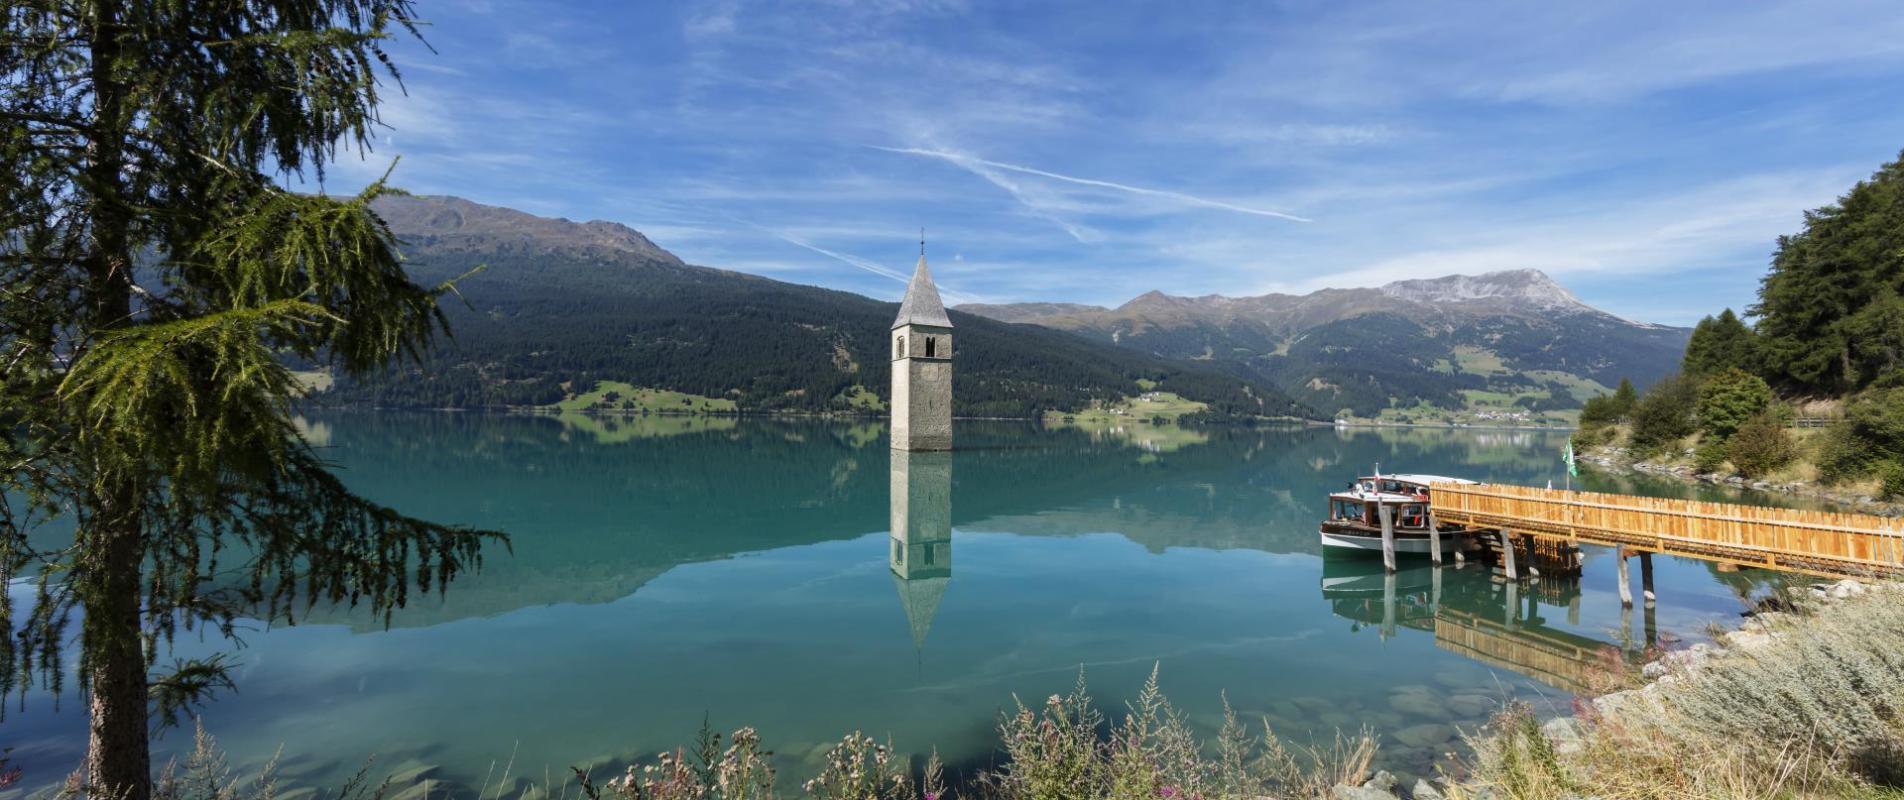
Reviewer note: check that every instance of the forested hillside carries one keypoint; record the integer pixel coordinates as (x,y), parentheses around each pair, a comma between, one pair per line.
(1827,343)
(558,306)
(1504,342)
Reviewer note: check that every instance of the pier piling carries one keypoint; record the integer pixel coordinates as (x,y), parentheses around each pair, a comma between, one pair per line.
(1646,578)
(1626,588)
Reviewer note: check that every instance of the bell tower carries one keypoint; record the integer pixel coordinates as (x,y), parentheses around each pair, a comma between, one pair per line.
(922,367)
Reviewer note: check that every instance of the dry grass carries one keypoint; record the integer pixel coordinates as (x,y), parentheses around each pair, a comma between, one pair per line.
(1816,711)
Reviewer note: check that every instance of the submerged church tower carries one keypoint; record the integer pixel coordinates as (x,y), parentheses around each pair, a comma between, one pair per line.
(922,367)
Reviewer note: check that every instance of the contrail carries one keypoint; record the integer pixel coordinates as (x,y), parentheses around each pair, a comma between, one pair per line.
(965,160)
(856,261)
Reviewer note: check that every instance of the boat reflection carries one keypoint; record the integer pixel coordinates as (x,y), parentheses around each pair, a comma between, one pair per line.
(1483,617)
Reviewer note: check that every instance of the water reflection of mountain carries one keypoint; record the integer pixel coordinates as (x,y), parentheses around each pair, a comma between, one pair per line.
(592,518)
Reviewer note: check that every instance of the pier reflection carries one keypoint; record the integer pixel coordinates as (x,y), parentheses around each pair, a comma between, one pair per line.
(1470,611)
(921,547)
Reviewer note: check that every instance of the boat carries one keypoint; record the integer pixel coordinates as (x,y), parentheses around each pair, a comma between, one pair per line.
(1355,523)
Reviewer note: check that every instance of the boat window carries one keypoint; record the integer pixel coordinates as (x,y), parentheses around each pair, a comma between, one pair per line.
(1414,516)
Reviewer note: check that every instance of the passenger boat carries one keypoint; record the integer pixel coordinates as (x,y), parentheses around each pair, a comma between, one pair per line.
(1355,522)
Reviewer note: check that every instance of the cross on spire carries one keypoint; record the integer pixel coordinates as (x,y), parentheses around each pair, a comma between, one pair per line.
(922,241)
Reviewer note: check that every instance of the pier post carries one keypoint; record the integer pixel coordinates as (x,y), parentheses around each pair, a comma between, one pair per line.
(1388,606)
(1626,589)
(1573,609)
(1646,578)
(1434,588)
(1533,556)
(1388,535)
(1434,538)
(1507,555)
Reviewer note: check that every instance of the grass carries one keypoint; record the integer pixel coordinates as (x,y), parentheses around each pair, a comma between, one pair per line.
(1476,361)
(859,398)
(1815,709)
(1149,406)
(617,396)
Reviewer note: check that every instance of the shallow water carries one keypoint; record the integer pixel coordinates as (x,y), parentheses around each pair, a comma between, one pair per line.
(747,572)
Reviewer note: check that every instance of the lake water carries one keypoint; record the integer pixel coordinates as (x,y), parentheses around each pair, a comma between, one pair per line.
(802,579)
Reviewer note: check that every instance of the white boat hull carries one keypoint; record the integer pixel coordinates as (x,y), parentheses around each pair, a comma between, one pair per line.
(1373,544)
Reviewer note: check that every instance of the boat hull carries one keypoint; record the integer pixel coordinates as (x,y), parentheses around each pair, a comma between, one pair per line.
(1409,544)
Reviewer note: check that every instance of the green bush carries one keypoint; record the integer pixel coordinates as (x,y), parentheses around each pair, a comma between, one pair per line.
(1869,437)
(1891,473)
(1710,456)
(1760,446)
(1664,414)
(1728,399)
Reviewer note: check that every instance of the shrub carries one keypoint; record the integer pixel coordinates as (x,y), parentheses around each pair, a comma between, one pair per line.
(1870,436)
(1710,456)
(1816,711)
(1728,399)
(1664,414)
(1760,446)
(1891,478)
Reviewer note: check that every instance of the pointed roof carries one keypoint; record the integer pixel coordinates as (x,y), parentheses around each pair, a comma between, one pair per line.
(922,306)
(920,597)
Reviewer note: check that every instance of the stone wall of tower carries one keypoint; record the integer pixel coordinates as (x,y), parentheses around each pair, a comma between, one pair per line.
(922,390)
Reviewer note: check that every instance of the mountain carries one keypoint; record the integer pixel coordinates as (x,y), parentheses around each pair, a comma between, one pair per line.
(1502,343)
(561,306)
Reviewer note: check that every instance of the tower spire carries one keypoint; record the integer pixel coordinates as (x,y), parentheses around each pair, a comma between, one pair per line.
(922,241)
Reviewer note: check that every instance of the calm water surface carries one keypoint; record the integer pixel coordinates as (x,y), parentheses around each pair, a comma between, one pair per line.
(800,578)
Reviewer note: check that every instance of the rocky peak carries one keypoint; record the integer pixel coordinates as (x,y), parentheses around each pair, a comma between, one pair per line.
(452,222)
(1522,287)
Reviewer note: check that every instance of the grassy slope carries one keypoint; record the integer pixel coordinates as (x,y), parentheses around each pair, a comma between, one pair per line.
(634,399)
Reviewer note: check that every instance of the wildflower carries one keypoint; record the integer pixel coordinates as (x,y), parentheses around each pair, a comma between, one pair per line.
(1167,792)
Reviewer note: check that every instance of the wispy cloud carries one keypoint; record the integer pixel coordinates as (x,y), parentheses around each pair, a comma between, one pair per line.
(1180,197)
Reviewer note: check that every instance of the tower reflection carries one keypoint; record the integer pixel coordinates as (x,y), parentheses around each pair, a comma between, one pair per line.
(921,525)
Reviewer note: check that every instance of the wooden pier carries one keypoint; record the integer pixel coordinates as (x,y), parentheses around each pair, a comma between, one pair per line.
(1822,543)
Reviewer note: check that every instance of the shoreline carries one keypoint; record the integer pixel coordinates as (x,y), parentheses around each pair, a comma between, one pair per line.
(1620,459)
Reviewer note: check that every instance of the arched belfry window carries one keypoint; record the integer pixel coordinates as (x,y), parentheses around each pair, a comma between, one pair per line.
(932,347)
(899,347)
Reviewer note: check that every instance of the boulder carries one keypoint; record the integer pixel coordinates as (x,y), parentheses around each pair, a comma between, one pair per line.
(1567,734)
(1425,791)
(1429,735)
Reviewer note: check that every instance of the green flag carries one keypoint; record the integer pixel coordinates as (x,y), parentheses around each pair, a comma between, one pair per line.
(1572,469)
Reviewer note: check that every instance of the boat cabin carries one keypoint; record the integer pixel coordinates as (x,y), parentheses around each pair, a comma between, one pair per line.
(1405,495)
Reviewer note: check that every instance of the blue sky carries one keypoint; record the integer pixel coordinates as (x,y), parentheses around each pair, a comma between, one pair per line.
(1645,154)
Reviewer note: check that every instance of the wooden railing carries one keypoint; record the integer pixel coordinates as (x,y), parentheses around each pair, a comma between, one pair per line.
(1813,542)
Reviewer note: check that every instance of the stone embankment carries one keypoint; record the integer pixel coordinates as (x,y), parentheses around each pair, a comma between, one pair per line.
(1620,459)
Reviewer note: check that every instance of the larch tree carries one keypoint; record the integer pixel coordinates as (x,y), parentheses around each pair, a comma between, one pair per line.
(154,272)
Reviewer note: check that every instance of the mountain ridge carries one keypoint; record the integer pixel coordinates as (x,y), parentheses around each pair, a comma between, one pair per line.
(563,307)
(1508,343)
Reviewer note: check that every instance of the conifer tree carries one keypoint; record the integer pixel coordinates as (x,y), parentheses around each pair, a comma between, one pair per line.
(1718,344)
(153,270)
(1828,310)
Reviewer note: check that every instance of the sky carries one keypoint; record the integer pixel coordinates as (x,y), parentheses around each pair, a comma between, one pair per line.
(1645,154)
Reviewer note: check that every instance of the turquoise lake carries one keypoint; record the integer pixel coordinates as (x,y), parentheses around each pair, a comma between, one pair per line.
(746,572)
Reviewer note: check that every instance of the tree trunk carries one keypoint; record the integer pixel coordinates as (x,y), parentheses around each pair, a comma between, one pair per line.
(118,756)
(118,759)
